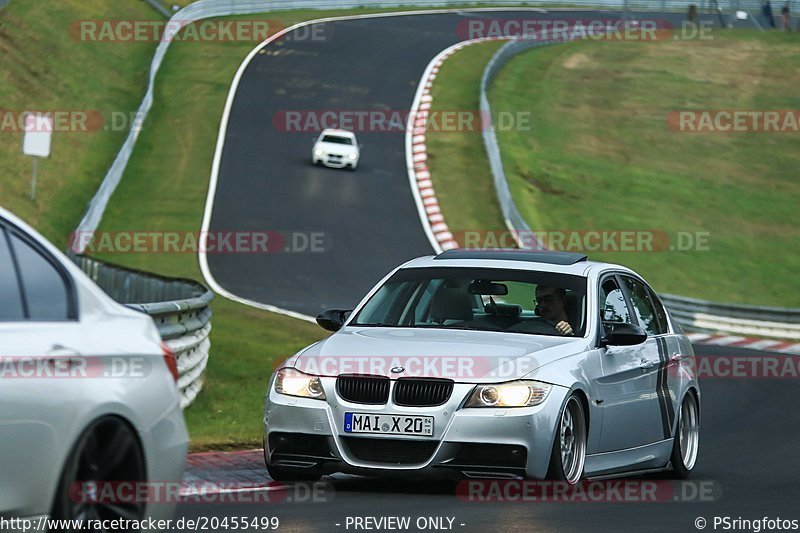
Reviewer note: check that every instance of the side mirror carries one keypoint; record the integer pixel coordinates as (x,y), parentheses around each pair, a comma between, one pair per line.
(333,319)
(624,334)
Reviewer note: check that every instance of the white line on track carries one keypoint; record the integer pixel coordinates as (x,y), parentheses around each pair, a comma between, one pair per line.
(422,209)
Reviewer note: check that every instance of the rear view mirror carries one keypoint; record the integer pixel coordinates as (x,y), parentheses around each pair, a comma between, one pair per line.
(624,334)
(484,287)
(333,319)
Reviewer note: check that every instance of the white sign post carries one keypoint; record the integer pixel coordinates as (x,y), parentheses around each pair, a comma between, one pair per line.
(36,141)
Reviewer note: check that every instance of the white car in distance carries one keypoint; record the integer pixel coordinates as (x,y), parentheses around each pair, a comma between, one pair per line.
(336,149)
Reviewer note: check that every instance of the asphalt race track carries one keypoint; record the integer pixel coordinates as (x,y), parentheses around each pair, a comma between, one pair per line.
(368,218)
(749,441)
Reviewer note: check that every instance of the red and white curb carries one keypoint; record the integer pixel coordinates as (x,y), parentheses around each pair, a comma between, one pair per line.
(417,153)
(749,343)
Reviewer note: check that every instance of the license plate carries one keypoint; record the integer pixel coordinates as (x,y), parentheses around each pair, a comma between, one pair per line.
(388,424)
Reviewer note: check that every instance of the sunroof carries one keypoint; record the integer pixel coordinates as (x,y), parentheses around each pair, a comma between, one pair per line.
(553,258)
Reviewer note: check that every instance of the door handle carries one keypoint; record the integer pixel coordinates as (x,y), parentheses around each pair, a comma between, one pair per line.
(58,350)
(63,357)
(646,365)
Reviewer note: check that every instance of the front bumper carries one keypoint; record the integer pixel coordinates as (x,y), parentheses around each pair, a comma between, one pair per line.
(335,161)
(473,442)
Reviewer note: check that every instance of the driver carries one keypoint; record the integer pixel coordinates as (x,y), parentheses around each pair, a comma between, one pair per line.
(550,302)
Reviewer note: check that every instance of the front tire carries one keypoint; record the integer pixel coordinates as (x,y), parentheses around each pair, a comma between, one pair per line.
(568,456)
(686,442)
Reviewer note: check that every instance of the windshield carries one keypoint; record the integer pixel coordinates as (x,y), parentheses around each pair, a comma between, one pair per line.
(483,299)
(337,140)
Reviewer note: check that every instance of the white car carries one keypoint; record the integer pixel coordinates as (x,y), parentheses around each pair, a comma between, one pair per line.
(337,149)
(88,392)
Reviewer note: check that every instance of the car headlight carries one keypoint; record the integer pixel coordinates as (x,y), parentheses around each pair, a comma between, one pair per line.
(511,394)
(352,157)
(295,383)
(319,152)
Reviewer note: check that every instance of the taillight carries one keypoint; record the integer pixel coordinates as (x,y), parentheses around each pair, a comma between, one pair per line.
(172,363)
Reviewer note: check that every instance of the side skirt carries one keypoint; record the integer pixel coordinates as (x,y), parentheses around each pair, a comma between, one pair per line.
(650,457)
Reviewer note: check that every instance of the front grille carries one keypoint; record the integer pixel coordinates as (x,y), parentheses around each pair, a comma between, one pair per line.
(422,392)
(363,389)
(390,451)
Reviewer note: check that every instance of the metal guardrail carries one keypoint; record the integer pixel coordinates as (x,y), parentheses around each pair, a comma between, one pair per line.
(691,313)
(180,309)
(711,317)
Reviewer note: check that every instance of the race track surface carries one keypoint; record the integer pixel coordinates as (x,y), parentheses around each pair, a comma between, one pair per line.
(368,219)
(748,457)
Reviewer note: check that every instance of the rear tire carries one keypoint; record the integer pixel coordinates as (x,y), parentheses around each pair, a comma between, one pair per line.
(568,456)
(686,441)
(107,452)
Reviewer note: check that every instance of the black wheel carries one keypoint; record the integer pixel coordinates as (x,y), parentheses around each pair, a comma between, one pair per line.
(686,442)
(279,473)
(108,451)
(569,447)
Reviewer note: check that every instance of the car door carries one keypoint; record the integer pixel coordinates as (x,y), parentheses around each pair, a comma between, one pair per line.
(628,382)
(661,347)
(38,325)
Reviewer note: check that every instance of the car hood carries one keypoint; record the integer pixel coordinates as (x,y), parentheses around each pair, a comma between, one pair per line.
(462,355)
(333,148)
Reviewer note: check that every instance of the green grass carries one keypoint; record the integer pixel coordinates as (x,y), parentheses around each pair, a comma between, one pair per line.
(43,67)
(600,156)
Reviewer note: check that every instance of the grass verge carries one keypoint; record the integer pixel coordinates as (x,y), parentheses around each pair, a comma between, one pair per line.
(600,155)
(45,67)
